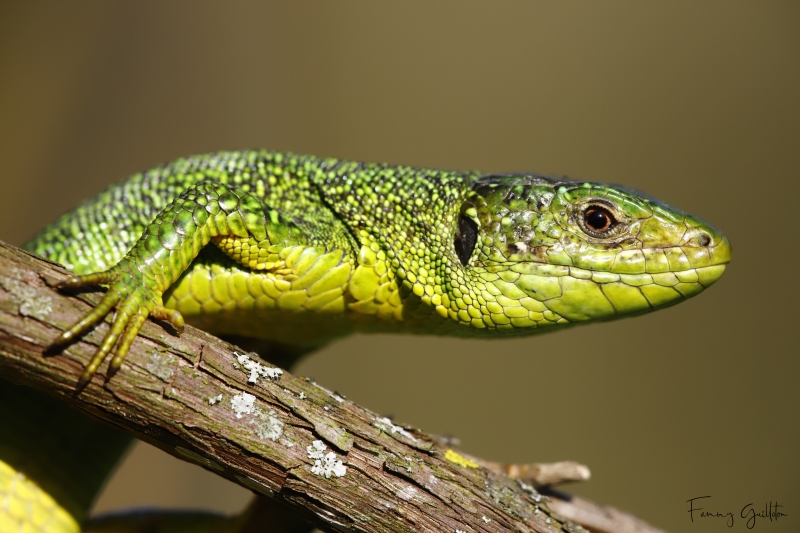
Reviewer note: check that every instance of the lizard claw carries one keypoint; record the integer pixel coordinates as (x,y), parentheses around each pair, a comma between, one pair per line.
(172,316)
(133,301)
(98,278)
(83,325)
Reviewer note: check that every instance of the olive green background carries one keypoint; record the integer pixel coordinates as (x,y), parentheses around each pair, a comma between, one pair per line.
(697,103)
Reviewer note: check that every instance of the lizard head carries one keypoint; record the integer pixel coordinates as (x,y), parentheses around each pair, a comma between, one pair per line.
(544,251)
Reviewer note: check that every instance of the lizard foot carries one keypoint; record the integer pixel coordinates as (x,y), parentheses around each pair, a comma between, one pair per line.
(133,300)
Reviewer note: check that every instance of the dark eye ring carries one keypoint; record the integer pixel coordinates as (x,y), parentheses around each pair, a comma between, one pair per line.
(598,219)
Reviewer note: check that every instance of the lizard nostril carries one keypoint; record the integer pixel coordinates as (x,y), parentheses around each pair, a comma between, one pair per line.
(703,239)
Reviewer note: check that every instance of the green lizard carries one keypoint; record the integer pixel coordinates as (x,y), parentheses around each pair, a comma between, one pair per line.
(306,250)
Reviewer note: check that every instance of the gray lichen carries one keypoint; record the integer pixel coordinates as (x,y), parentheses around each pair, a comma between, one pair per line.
(31,303)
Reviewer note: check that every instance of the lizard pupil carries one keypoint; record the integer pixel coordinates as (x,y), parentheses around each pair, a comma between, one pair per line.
(465,238)
(598,219)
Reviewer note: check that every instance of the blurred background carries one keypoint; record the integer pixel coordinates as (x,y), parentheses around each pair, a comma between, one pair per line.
(695,103)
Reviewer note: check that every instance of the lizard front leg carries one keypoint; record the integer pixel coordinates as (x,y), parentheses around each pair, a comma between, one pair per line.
(204,212)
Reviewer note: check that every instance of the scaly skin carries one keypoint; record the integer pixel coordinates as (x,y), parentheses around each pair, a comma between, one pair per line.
(309,249)
(353,247)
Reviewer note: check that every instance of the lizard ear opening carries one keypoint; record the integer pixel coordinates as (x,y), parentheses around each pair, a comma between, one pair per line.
(465,238)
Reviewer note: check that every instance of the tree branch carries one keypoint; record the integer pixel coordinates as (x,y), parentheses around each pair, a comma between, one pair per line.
(190,396)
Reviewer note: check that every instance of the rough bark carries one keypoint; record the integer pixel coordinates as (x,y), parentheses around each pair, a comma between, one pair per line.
(168,394)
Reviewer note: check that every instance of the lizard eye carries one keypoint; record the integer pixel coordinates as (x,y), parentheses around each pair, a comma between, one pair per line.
(598,220)
(465,238)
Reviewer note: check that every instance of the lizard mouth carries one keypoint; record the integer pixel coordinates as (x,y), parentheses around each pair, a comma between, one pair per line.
(707,276)
(638,281)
